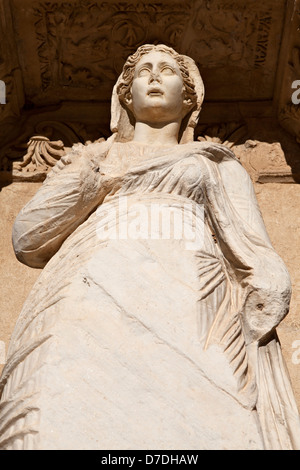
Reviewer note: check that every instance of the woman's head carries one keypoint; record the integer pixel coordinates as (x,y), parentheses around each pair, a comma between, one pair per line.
(124,89)
(123,120)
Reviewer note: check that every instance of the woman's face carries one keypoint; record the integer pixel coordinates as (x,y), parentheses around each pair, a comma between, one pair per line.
(157,89)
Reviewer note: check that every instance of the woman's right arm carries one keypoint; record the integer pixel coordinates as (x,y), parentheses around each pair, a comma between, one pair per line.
(72,190)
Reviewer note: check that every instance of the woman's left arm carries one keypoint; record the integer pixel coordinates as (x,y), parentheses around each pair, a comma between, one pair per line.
(243,238)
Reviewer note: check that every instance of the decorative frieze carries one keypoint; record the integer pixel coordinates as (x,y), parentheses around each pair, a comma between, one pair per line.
(72,53)
(82,45)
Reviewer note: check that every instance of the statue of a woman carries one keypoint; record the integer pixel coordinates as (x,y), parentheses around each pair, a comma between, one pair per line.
(137,335)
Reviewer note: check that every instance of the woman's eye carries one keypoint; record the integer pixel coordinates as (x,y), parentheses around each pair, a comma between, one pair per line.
(143,72)
(168,70)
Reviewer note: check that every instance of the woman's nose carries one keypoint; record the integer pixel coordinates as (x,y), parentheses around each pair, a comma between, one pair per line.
(155,77)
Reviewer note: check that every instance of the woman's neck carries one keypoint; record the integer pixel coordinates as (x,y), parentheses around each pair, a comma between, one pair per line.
(160,134)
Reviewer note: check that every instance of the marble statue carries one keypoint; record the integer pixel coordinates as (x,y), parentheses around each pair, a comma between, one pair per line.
(153,322)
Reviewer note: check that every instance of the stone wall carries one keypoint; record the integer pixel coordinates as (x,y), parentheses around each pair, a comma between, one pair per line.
(16,278)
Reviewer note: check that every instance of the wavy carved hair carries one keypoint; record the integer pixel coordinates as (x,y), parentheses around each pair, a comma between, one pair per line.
(124,86)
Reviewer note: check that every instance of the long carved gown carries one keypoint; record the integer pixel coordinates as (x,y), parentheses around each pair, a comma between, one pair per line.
(141,342)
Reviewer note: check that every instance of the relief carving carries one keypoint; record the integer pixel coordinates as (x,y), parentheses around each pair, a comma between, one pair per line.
(42,154)
(228,34)
(261,51)
(80,39)
(76,41)
(289,118)
(265,161)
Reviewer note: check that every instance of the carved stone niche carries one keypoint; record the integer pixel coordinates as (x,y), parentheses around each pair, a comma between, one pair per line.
(267,151)
(56,54)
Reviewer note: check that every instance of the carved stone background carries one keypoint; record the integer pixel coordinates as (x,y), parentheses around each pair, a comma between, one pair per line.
(60,60)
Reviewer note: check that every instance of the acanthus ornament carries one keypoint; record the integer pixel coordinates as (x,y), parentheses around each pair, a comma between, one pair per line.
(41,155)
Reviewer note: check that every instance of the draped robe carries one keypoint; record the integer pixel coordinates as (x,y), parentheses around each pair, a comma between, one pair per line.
(144,342)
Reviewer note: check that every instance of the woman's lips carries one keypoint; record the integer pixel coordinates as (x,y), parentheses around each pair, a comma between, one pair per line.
(155,92)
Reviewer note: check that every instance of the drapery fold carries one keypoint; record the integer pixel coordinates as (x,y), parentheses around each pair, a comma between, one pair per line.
(243,285)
